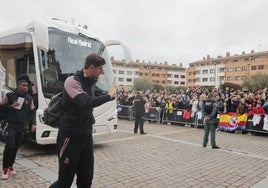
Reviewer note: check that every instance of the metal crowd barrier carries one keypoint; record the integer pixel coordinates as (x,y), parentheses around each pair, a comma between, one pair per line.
(164,116)
(182,117)
(176,116)
(256,128)
(125,112)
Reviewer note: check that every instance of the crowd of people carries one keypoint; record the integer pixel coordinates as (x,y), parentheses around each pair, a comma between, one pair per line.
(167,103)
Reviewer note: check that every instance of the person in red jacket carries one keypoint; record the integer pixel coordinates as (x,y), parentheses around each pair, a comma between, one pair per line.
(257,110)
(258,113)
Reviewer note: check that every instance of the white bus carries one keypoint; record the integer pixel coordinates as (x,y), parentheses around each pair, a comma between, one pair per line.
(48,51)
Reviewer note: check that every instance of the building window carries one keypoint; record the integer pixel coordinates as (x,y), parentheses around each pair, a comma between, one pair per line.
(176,76)
(256,59)
(129,79)
(261,67)
(205,71)
(212,79)
(163,81)
(244,68)
(237,69)
(229,78)
(244,77)
(114,71)
(190,80)
(253,67)
(222,69)
(189,73)
(121,79)
(237,78)
(235,60)
(212,70)
(153,75)
(229,70)
(176,83)
(129,72)
(182,83)
(121,72)
(182,76)
(205,79)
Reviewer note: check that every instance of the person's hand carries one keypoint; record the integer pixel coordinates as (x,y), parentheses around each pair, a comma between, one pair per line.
(113,91)
(15,104)
(33,129)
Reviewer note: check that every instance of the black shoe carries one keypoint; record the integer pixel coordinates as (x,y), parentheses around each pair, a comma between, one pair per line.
(215,147)
(143,133)
(204,146)
(135,132)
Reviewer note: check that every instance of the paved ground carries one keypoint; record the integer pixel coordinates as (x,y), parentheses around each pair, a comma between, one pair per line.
(168,156)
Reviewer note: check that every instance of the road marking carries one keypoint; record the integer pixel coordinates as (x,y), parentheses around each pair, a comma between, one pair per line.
(134,137)
(176,140)
(116,140)
(254,156)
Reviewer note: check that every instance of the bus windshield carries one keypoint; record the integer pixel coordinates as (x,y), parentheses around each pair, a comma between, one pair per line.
(66,55)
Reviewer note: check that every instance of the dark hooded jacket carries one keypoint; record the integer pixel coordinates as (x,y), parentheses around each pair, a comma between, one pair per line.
(78,103)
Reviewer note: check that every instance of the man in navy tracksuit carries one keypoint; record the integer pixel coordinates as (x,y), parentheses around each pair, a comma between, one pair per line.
(74,141)
(19,107)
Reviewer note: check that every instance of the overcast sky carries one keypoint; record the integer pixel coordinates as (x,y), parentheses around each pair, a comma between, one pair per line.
(176,31)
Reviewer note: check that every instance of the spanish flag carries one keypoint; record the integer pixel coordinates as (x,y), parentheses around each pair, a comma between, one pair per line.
(232,121)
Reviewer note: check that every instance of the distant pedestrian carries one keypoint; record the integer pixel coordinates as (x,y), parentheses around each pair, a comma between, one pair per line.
(139,112)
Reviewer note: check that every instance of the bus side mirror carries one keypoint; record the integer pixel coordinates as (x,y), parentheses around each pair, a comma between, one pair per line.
(124,47)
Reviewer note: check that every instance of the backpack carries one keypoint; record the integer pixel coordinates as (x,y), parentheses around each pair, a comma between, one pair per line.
(208,107)
(52,114)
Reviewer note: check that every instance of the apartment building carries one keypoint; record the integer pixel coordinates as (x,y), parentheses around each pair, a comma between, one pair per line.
(124,75)
(159,73)
(231,68)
